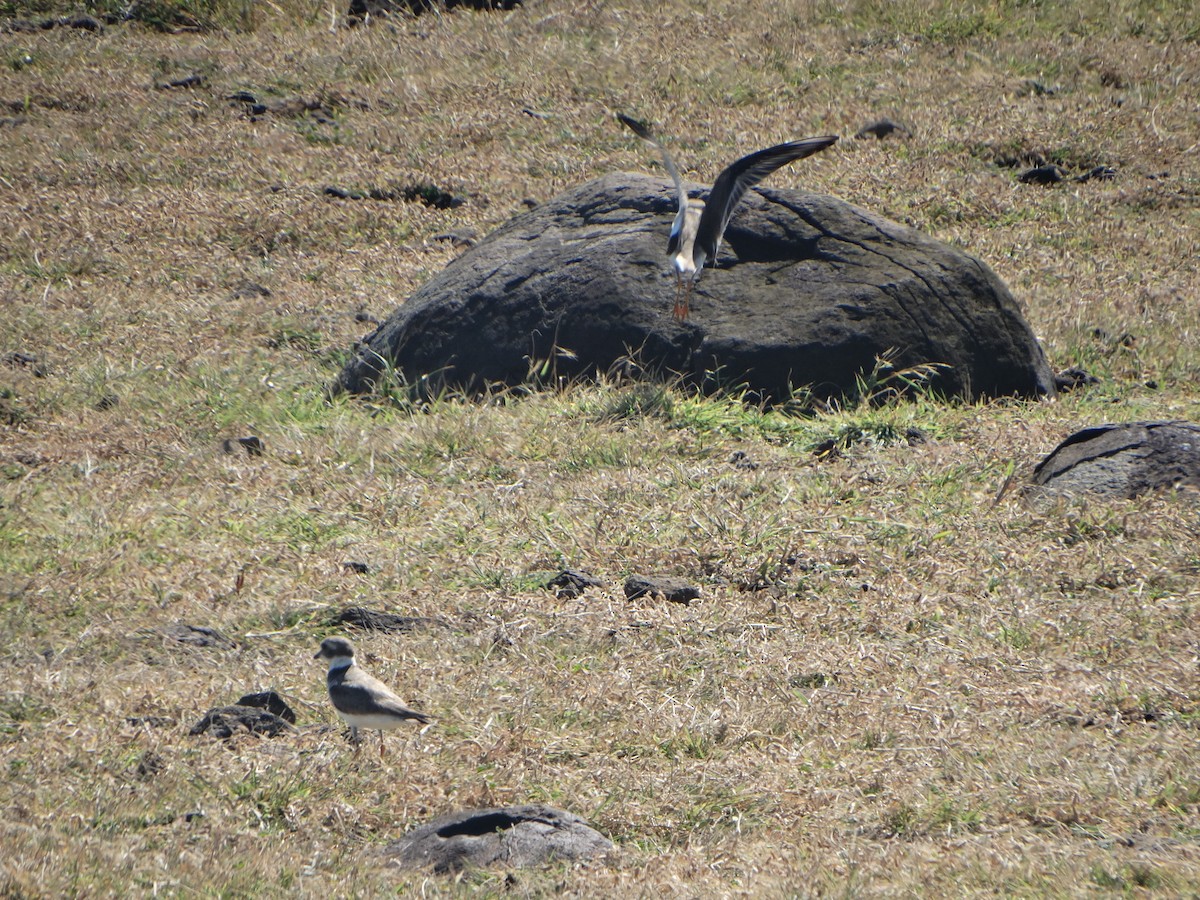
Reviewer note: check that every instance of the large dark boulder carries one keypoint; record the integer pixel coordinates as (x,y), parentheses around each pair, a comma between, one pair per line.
(808,291)
(1121,461)
(514,836)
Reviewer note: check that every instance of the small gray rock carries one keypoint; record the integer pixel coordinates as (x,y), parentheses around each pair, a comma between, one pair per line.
(515,836)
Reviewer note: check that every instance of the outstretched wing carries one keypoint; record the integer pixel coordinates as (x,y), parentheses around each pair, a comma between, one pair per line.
(643,131)
(732,184)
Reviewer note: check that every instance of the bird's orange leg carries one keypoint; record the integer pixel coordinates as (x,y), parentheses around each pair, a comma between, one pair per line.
(381,744)
(683,299)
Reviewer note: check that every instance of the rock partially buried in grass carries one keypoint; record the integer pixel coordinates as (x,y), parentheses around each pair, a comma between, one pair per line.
(674,589)
(881,128)
(1073,377)
(271,702)
(1121,461)
(226,721)
(253,445)
(83,22)
(373,620)
(361,11)
(15,359)
(197,635)
(570,583)
(808,291)
(1048,174)
(512,836)
(260,712)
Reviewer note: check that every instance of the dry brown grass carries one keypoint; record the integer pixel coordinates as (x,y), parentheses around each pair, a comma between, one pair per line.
(939,694)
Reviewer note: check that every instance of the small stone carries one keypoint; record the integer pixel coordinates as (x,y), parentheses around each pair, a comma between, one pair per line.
(673,589)
(252,445)
(271,702)
(882,128)
(226,721)
(84,22)
(1033,86)
(1098,173)
(813,680)
(197,635)
(1074,377)
(572,582)
(17,360)
(150,764)
(249,289)
(827,449)
(150,721)
(431,195)
(1048,174)
(1113,79)
(189,81)
(740,460)
(372,620)
(458,238)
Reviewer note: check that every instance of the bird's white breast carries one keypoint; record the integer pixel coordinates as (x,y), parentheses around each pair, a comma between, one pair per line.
(377,721)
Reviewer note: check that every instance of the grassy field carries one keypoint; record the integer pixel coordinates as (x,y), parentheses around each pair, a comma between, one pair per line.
(899,680)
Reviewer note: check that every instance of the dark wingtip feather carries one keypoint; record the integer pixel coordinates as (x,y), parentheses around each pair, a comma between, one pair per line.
(639,128)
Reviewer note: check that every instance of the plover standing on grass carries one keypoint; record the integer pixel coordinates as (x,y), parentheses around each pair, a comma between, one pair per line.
(699,225)
(361,700)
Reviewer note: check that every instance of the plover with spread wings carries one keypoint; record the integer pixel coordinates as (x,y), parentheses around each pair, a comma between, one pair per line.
(699,225)
(360,699)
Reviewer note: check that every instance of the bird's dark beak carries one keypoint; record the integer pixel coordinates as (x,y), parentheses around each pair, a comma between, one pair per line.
(317,655)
